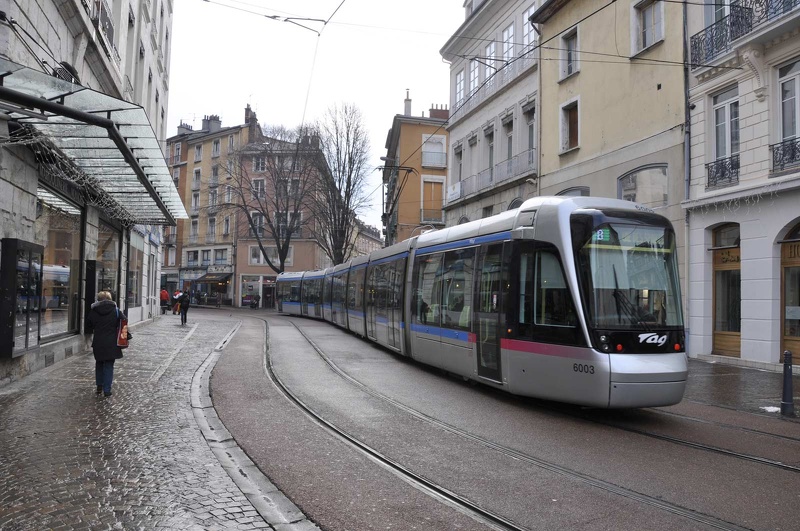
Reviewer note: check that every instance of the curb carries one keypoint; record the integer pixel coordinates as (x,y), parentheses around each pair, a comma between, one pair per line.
(273,506)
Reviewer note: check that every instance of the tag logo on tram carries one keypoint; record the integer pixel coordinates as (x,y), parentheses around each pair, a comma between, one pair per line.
(653,338)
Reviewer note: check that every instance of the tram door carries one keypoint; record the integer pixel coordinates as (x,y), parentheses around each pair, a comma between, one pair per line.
(394,300)
(373,300)
(488,315)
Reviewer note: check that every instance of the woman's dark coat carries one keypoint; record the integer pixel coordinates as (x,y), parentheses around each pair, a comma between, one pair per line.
(104,321)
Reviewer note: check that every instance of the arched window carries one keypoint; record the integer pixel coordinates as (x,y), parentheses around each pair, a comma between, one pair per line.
(463,219)
(516,203)
(647,185)
(577,191)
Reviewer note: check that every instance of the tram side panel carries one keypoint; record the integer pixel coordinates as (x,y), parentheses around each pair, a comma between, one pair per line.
(327,286)
(355,301)
(384,302)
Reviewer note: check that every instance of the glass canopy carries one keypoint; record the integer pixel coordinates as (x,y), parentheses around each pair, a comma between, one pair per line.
(109,143)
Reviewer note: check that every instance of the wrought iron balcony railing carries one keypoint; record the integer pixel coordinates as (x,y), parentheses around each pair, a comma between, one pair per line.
(745,16)
(785,154)
(434,159)
(723,172)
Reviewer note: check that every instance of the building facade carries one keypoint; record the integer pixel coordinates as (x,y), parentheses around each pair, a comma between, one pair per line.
(200,252)
(84,189)
(743,218)
(494,83)
(415,173)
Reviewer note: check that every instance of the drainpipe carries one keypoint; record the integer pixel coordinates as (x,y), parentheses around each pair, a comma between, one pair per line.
(687,167)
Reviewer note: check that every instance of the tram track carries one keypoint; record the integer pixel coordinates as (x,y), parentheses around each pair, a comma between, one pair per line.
(708,520)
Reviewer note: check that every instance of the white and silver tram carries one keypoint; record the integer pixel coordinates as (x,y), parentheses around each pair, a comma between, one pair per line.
(573,299)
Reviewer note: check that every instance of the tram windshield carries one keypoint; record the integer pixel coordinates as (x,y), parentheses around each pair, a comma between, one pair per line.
(629,274)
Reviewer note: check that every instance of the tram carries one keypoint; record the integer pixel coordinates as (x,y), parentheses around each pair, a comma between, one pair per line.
(571,299)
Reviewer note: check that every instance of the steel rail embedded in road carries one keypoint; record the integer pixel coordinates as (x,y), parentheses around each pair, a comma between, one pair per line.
(433,489)
(515,454)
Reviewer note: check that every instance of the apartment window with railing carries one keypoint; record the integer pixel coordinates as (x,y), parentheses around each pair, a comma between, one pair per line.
(433,151)
(194,228)
(724,170)
(488,67)
(259,188)
(226,225)
(212,227)
(214,176)
(196,180)
(229,194)
(459,88)
(474,73)
(176,157)
(198,153)
(215,151)
(787,151)
(508,43)
(195,201)
(212,198)
(528,34)
(231,144)
(258,223)
(206,257)
(220,256)
(508,130)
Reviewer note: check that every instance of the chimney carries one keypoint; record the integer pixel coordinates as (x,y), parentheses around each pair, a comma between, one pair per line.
(439,112)
(214,123)
(184,129)
(408,105)
(249,115)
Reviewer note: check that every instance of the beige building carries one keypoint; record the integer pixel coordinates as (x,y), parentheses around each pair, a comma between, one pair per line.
(493,100)
(199,253)
(742,211)
(414,173)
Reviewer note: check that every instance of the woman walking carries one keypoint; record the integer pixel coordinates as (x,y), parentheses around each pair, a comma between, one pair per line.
(103,320)
(184,302)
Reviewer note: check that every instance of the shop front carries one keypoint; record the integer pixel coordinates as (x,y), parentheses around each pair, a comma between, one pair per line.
(257,291)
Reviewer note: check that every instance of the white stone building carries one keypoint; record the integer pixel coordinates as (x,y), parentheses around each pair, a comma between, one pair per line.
(743,213)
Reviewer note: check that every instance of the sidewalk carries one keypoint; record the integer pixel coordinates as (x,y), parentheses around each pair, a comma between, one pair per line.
(70,459)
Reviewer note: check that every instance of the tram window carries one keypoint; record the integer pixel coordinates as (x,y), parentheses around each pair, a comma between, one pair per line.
(355,289)
(553,303)
(456,288)
(396,273)
(425,300)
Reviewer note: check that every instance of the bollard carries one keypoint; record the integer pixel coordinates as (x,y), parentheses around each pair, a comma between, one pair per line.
(787,403)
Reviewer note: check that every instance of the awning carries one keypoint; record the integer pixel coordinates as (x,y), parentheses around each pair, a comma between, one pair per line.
(104,145)
(209,278)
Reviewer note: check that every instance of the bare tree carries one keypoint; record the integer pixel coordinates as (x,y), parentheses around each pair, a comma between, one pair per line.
(342,193)
(269,186)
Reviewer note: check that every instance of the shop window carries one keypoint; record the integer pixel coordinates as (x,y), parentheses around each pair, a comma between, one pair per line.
(107,257)
(790,262)
(727,290)
(20,296)
(133,284)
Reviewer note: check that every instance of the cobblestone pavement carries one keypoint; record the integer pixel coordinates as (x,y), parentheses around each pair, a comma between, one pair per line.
(137,460)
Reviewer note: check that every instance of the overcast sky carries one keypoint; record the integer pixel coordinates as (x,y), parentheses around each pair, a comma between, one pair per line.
(226,54)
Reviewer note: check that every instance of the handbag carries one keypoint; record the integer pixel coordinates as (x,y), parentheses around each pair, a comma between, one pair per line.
(123,336)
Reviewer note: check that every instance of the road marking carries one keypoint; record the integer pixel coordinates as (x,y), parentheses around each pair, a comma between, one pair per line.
(164,366)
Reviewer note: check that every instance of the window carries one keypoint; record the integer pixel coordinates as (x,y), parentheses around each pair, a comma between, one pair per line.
(789,78)
(459,158)
(212,226)
(198,153)
(258,223)
(220,256)
(570,132)
(456,289)
(231,144)
(133,285)
(459,88)
(194,228)
(487,211)
(490,153)
(176,176)
(171,256)
(426,295)
(259,189)
(259,164)
(284,226)
(432,199)
(215,148)
(646,186)
(215,175)
(648,20)
(229,194)
(192,258)
(195,201)
(508,43)
(177,157)
(530,159)
(474,69)
(488,67)
(226,225)
(569,54)
(196,180)
(206,257)
(212,198)
(726,123)
(528,33)
(257,258)
(508,129)
(727,289)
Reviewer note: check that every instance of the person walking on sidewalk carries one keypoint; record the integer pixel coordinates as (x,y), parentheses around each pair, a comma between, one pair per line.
(103,320)
(183,300)
(164,301)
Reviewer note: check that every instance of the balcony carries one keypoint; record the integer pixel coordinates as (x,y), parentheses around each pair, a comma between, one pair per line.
(723,172)
(521,165)
(428,215)
(176,159)
(193,238)
(213,182)
(745,16)
(103,16)
(195,184)
(194,211)
(434,159)
(786,154)
(211,238)
(169,239)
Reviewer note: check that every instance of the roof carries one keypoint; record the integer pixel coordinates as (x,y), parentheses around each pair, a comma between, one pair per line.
(103,144)
(547,10)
